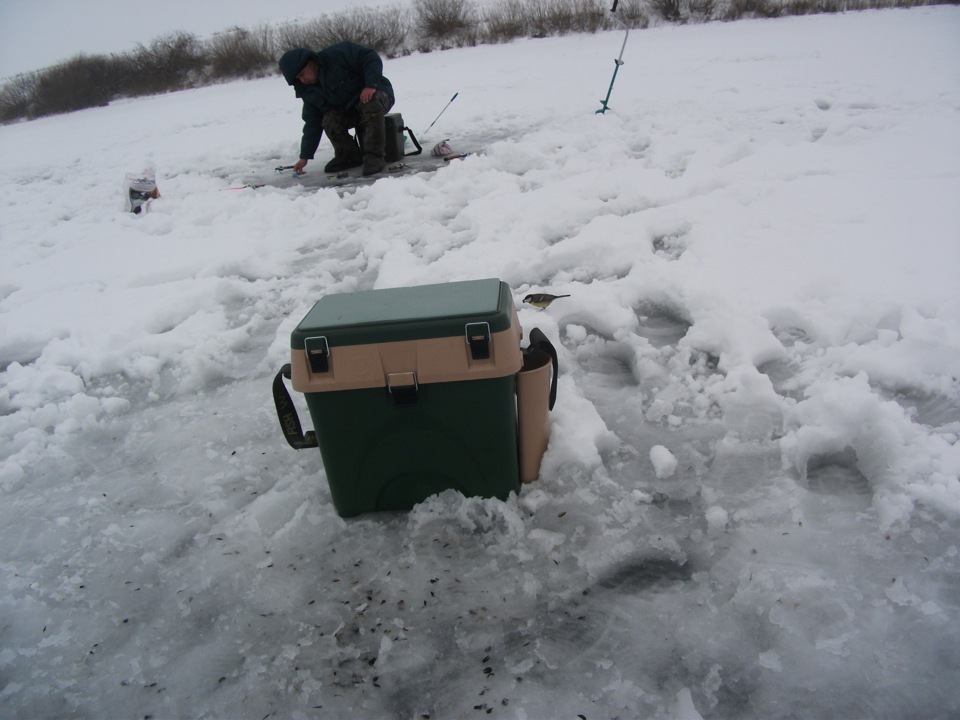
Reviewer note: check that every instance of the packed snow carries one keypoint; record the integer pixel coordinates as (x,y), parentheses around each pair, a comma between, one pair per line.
(750,502)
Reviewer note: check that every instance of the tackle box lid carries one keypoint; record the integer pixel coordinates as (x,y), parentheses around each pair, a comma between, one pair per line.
(406,313)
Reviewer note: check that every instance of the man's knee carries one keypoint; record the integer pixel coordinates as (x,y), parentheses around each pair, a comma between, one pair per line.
(371,111)
(336,124)
(378,106)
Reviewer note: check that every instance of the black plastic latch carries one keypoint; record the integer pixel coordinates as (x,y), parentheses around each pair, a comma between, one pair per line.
(318,354)
(478,338)
(403,388)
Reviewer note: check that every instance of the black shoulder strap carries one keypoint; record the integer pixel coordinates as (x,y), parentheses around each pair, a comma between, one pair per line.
(287,413)
(414,139)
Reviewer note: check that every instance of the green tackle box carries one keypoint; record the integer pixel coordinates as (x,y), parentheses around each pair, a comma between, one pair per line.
(412,391)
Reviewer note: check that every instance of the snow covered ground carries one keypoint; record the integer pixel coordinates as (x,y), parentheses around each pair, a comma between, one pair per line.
(750,503)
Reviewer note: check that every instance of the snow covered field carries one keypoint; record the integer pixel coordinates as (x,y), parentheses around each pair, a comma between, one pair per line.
(750,504)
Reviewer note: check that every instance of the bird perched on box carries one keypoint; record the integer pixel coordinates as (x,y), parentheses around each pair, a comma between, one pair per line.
(541,300)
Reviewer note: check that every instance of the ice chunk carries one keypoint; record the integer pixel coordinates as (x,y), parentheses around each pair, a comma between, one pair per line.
(664,461)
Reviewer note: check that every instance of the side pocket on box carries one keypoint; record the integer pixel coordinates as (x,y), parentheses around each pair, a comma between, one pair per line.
(536,395)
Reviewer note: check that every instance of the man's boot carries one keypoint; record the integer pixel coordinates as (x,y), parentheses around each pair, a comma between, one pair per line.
(374,138)
(346,152)
(346,155)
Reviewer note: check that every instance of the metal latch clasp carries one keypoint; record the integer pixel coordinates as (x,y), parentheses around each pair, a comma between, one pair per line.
(403,387)
(318,354)
(478,338)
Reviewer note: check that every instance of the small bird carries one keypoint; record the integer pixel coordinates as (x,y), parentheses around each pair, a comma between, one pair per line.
(542,300)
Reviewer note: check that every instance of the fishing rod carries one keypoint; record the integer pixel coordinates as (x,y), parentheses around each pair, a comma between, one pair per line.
(618,62)
(441,113)
(279,170)
(251,186)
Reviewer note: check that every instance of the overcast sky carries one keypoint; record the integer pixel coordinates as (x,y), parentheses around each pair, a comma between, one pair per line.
(38,33)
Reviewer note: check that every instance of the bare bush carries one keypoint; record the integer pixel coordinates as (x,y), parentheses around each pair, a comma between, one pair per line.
(16,97)
(241,53)
(738,9)
(505,21)
(831,6)
(295,35)
(81,82)
(384,30)
(633,13)
(702,9)
(589,16)
(171,62)
(444,19)
(669,10)
(799,7)
(547,16)
(559,17)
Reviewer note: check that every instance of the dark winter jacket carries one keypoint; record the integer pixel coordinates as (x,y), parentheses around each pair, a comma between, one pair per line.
(344,69)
